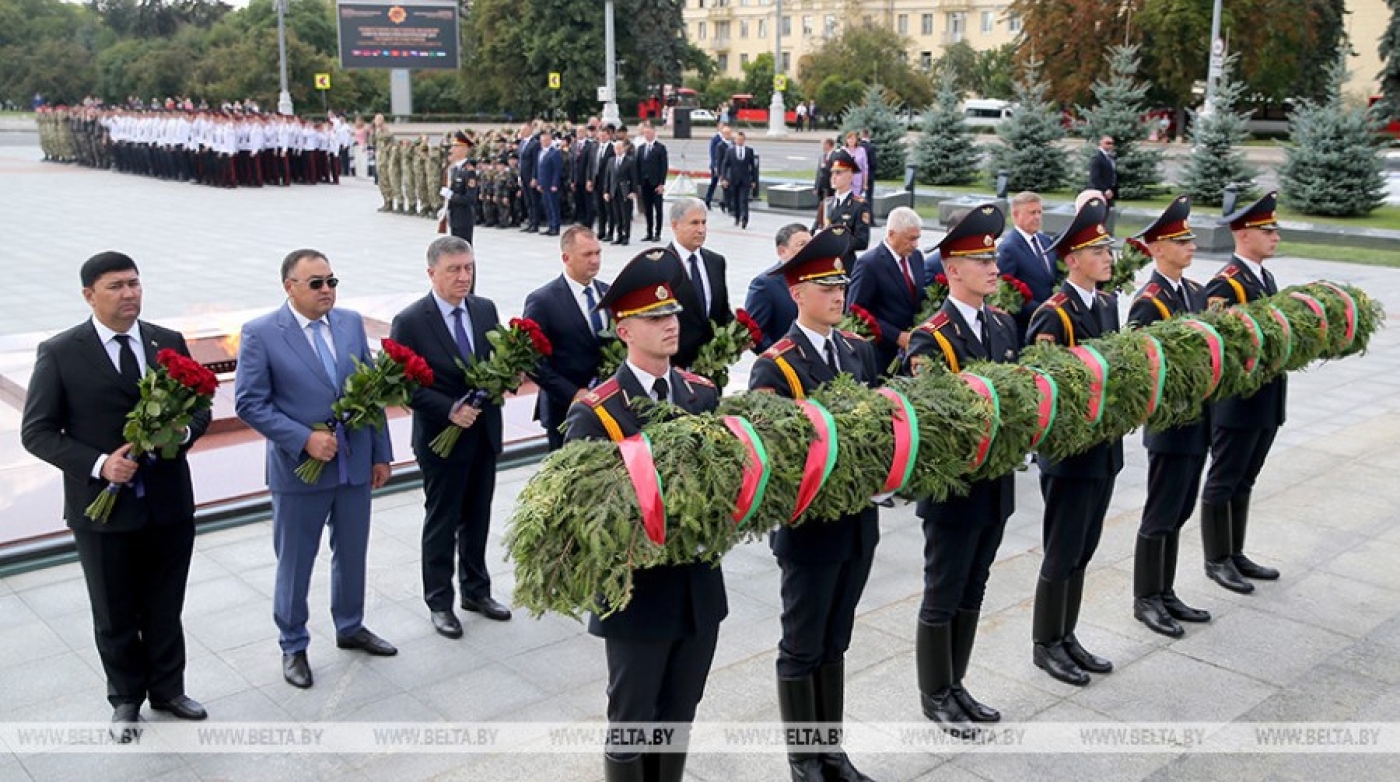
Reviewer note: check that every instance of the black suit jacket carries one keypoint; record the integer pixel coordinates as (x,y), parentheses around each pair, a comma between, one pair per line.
(1103,175)
(817,540)
(652,167)
(1158,301)
(1268,407)
(695,319)
(75,411)
(420,327)
(583,154)
(878,285)
(577,350)
(740,173)
(669,602)
(620,181)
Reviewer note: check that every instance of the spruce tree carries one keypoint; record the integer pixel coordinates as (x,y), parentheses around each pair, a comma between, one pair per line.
(945,154)
(1121,103)
(1333,165)
(886,131)
(1389,106)
(1216,158)
(1029,151)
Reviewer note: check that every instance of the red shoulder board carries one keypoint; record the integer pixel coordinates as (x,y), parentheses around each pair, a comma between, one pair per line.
(938,321)
(1151,291)
(691,377)
(852,335)
(995,308)
(778,348)
(601,392)
(1056,301)
(1230,270)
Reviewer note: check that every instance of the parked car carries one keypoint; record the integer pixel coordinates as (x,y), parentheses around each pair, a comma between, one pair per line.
(702,117)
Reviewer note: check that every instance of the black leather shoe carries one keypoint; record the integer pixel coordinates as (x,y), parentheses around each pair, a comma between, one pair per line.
(1182,612)
(368,643)
(1054,660)
(487,607)
(446,624)
(838,767)
(1224,573)
(944,709)
(1084,658)
(124,719)
(296,670)
(976,710)
(181,706)
(806,769)
(1251,569)
(1151,612)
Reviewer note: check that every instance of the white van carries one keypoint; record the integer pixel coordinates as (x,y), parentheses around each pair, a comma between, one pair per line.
(986,112)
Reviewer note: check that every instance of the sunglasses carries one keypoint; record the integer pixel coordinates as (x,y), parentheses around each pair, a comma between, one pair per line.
(317,283)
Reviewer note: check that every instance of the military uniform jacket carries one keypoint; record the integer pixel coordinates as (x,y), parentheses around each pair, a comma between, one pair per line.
(463,182)
(1064,320)
(670,601)
(793,368)
(1267,408)
(947,339)
(853,212)
(1159,300)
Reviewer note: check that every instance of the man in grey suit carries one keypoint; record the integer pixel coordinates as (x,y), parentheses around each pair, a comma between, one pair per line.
(292,365)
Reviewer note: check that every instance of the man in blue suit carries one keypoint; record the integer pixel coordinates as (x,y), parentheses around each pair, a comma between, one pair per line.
(548,175)
(528,148)
(1025,254)
(768,301)
(719,147)
(739,176)
(292,364)
(565,309)
(888,282)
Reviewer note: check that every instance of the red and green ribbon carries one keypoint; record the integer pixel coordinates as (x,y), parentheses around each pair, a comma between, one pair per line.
(820,459)
(1350,304)
(1098,379)
(1157,360)
(1287,327)
(1318,310)
(1049,405)
(1217,351)
(906,439)
(757,470)
(1256,338)
(646,482)
(984,387)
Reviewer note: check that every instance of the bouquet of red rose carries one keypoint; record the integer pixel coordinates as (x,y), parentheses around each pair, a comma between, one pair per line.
(1011,295)
(388,381)
(725,347)
(860,321)
(171,393)
(936,294)
(515,350)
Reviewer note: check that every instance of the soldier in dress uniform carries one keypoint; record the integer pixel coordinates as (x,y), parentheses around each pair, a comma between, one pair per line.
(825,563)
(461,192)
(1077,490)
(961,533)
(660,646)
(847,209)
(1176,456)
(1242,430)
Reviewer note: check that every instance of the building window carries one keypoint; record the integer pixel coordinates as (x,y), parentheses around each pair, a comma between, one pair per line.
(988,20)
(830,29)
(787,25)
(722,32)
(956,27)
(926,24)
(903,24)
(762,28)
(743,28)
(723,63)
(701,33)
(1013,23)
(787,62)
(926,60)
(806,25)
(743,61)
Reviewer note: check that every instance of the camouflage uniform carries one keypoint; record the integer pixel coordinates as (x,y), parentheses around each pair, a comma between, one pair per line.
(383,155)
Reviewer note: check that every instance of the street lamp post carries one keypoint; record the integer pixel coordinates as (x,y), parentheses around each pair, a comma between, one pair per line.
(284,98)
(777,119)
(1217,59)
(610,114)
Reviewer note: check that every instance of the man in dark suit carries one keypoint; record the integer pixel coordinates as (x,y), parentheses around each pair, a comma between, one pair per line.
(462,190)
(825,563)
(444,327)
(845,207)
(740,176)
(84,383)
(598,182)
(548,176)
(1024,254)
(1243,430)
(1077,491)
(292,366)
(566,310)
(585,154)
(621,190)
(1103,176)
(1176,456)
(768,301)
(652,165)
(698,280)
(888,282)
(719,148)
(963,532)
(822,185)
(871,161)
(528,147)
(660,645)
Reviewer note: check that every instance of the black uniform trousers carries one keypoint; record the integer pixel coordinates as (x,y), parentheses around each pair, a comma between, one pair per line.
(1237,456)
(136,584)
(657,681)
(1172,483)
(457,505)
(651,203)
(621,217)
(819,607)
(958,555)
(1074,514)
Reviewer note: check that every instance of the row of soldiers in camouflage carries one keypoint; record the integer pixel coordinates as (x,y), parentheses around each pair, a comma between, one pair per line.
(412,174)
(74,136)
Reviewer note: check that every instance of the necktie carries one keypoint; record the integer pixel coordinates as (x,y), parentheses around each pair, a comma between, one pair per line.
(459,333)
(594,318)
(831,357)
(1040,253)
(323,351)
(697,280)
(908,277)
(1269,286)
(982,331)
(660,391)
(126,359)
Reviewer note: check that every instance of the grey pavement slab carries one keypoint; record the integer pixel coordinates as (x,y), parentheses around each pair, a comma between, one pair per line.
(1321,643)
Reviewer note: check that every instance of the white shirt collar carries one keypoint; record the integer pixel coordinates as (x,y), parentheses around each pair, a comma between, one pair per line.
(447,308)
(303,321)
(970,315)
(1254,266)
(684,254)
(1085,296)
(105,335)
(647,379)
(818,341)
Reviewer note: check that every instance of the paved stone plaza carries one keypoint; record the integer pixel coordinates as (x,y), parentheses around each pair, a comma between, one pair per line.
(1320,645)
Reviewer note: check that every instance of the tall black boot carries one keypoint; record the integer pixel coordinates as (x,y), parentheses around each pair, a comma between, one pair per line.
(629,770)
(1148,565)
(797,703)
(1086,659)
(670,767)
(1048,633)
(933,655)
(1215,540)
(1239,523)
(831,710)
(964,635)
(1175,607)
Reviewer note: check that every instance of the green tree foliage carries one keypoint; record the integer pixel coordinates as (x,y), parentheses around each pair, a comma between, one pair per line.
(1175,42)
(1029,150)
(945,154)
(1069,39)
(867,54)
(835,94)
(1216,158)
(987,73)
(1333,165)
(1119,113)
(1389,107)
(758,79)
(886,131)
